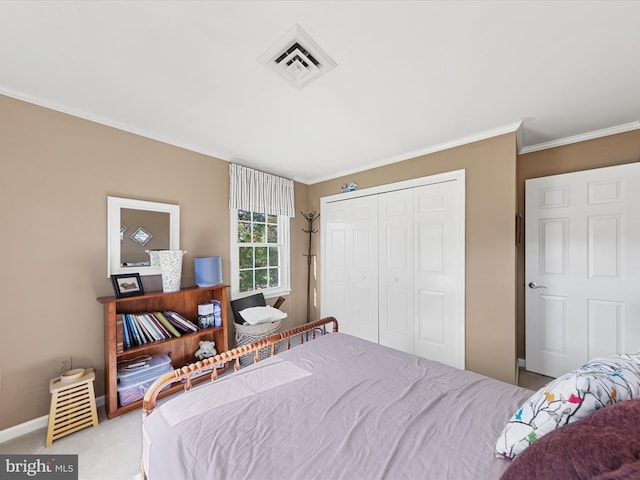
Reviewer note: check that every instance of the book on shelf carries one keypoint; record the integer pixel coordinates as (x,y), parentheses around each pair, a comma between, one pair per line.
(142,323)
(180,321)
(173,322)
(153,329)
(141,338)
(135,335)
(176,323)
(165,322)
(148,327)
(126,339)
(126,329)
(144,335)
(159,325)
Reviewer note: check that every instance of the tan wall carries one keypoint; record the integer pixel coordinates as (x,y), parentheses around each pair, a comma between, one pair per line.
(490,248)
(601,152)
(57,171)
(296,304)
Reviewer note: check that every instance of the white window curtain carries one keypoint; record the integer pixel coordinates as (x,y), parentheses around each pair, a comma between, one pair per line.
(256,191)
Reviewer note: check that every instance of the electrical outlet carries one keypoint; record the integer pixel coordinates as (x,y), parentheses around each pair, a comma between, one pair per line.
(64,365)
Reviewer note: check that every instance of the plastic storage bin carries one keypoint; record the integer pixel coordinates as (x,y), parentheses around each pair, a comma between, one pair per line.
(155,366)
(133,384)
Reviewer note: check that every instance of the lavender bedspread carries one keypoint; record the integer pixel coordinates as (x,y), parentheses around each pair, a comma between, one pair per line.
(337,407)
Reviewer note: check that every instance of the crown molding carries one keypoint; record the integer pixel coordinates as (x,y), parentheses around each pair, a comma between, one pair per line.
(516,127)
(74,112)
(495,132)
(583,137)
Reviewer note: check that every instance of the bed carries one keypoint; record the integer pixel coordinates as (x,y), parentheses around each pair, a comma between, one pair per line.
(335,407)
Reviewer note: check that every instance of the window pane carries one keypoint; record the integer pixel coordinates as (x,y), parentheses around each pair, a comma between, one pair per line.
(272,234)
(273,257)
(259,233)
(274,277)
(246,257)
(244,232)
(246,280)
(261,257)
(260,251)
(261,278)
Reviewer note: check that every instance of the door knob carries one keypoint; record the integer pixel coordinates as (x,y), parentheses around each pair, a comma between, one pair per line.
(534,285)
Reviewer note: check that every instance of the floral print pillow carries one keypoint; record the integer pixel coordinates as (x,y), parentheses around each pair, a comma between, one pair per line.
(595,385)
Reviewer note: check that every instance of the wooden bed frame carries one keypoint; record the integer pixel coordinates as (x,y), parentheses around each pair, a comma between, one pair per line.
(185,373)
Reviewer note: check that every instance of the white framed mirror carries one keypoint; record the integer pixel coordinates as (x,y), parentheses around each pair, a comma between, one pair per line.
(135,226)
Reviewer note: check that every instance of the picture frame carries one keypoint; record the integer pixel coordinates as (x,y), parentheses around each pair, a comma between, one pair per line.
(127,285)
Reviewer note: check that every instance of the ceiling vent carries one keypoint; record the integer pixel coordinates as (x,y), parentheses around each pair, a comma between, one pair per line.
(297,58)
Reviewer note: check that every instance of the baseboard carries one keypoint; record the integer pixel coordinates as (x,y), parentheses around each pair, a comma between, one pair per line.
(33,425)
(522,363)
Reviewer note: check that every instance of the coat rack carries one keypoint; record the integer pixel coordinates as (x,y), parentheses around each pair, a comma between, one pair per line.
(311,217)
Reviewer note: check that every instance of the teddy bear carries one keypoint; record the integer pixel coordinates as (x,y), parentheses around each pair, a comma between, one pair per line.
(207,349)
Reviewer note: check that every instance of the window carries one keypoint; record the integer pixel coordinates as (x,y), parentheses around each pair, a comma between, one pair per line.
(259,253)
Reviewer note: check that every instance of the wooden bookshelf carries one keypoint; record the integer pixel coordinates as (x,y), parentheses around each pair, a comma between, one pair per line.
(181,349)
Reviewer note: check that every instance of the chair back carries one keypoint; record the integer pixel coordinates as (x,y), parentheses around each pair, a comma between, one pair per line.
(256,300)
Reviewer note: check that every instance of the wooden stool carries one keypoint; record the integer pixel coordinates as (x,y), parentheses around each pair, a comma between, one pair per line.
(73,405)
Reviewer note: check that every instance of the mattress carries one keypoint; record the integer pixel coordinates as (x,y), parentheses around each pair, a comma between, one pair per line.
(335,407)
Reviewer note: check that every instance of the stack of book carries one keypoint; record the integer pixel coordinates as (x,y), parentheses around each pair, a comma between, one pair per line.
(142,328)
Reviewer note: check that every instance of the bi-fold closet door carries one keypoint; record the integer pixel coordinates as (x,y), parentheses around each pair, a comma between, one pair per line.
(350,274)
(393,268)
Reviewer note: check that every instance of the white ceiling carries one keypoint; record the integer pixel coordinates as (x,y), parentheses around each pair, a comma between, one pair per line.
(411,76)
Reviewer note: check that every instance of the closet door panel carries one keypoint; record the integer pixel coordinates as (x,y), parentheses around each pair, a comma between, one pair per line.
(350,283)
(337,292)
(432,323)
(396,269)
(437,289)
(337,277)
(362,255)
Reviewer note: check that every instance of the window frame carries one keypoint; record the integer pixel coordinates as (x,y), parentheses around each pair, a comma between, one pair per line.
(284,258)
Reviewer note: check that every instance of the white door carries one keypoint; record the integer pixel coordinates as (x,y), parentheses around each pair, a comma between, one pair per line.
(582,262)
(351,232)
(392,265)
(396,269)
(439,273)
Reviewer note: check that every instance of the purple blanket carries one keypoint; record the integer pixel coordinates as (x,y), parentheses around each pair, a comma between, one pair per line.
(602,446)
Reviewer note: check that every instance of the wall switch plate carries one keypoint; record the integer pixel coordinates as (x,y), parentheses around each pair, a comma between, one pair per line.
(64,365)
